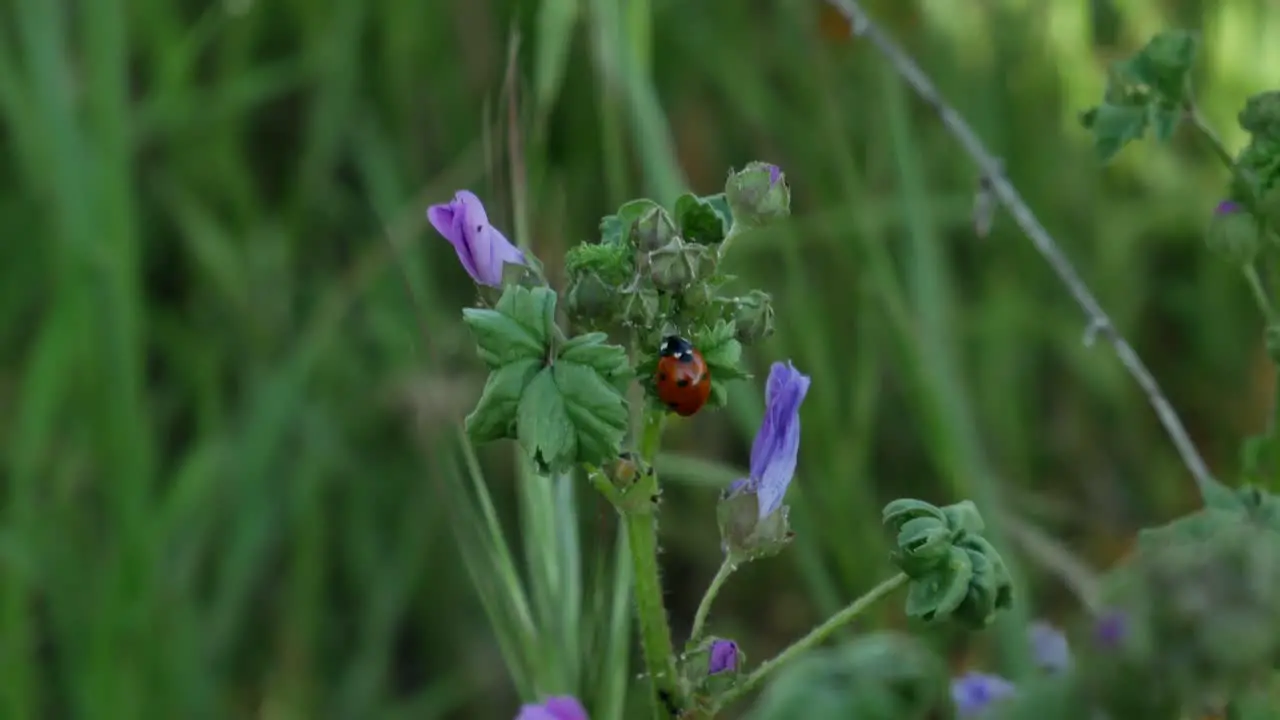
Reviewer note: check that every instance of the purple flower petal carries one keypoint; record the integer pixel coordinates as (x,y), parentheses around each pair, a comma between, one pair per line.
(975,692)
(481,248)
(1227,206)
(1110,629)
(775,174)
(773,454)
(561,707)
(723,657)
(1049,647)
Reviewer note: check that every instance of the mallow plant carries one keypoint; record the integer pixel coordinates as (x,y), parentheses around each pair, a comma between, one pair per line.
(585,378)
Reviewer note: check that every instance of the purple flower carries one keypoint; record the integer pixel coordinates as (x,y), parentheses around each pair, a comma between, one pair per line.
(1227,206)
(1049,647)
(561,707)
(773,454)
(723,657)
(974,692)
(481,248)
(775,174)
(1110,629)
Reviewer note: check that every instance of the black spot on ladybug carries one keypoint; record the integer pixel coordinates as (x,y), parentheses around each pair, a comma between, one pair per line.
(682,382)
(672,405)
(662,377)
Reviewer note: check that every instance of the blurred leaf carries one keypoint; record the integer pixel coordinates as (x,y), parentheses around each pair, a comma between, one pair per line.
(557,20)
(1114,126)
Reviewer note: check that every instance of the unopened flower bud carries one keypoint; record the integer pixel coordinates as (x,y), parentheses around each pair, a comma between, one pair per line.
(678,264)
(589,298)
(1234,233)
(653,230)
(640,307)
(758,195)
(753,319)
(724,656)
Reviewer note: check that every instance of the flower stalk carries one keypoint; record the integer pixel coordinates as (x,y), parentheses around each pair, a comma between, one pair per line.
(727,568)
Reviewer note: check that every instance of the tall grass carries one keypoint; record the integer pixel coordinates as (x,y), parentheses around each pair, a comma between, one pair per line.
(232,365)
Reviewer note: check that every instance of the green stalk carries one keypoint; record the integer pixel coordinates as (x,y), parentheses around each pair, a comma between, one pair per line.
(704,607)
(814,638)
(641,523)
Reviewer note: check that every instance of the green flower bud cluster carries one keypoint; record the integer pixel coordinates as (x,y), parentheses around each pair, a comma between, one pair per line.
(1257,178)
(655,271)
(956,573)
(881,676)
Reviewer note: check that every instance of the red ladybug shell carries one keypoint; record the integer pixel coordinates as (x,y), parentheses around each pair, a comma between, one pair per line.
(682,378)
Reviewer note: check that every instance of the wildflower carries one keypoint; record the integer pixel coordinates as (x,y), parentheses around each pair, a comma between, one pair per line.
(974,693)
(723,657)
(777,444)
(1110,629)
(562,707)
(1049,647)
(481,248)
(753,521)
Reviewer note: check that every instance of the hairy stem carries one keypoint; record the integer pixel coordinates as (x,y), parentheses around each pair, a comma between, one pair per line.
(651,614)
(815,637)
(704,607)
(1259,293)
(1100,323)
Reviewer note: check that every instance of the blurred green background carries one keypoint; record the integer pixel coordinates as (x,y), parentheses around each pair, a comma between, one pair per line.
(233,365)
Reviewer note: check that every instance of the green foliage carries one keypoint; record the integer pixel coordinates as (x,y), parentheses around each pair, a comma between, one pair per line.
(698,220)
(1147,91)
(563,400)
(879,676)
(956,574)
(1256,181)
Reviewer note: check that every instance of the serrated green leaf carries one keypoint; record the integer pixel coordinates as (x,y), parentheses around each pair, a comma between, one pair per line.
(545,430)
(597,409)
(1164,118)
(534,308)
(722,351)
(594,351)
(697,221)
(1114,126)
(937,595)
(494,417)
(500,339)
(1164,63)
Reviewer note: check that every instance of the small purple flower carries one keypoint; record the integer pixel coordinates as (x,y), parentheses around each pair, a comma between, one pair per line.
(1049,647)
(481,248)
(1227,207)
(777,444)
(973,693)
(723,657)
(775,174)
(1111,629)
(561,707)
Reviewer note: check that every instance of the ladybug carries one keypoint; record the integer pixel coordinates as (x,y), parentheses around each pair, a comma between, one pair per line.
(682,378)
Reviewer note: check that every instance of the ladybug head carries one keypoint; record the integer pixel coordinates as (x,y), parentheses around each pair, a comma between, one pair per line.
(676,347)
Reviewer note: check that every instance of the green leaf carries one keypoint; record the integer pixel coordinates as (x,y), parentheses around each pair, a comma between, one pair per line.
(571,414)
(495,415)
(1114,126)
(697,220)
(519,327)
(964,516)
(545,430)
(722,351)
(1164,63)
(615,228)
(720,204)
(937,595)
(599,412)
(593,351)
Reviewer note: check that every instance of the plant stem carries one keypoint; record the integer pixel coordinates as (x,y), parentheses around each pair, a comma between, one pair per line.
(815,636)
(651,615)
(704,607)
(1259,293)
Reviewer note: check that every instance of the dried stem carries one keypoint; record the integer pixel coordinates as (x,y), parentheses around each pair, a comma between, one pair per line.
(1008,196)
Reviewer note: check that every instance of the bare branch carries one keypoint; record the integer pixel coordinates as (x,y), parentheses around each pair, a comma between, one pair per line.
(1099,323)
